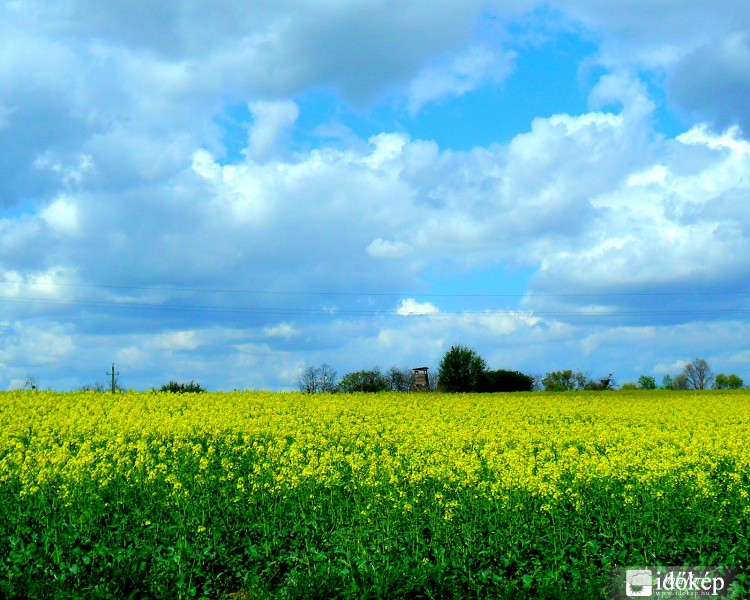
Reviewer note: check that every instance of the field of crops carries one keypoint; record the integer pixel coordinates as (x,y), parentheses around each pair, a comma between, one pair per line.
(284,495)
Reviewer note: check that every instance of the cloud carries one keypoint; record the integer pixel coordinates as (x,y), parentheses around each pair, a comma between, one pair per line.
(32,345)
(123,202)
(176,340)
(673,29)
(282,330)
(5,116)
(380,248)
(475,67)
(665,227)
(713,81)
(700,50)
(270,120)
(590,201)
(62,216)
(409,306)
(271,48)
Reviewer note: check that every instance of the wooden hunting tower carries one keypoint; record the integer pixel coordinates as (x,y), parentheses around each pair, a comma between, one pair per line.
(421,379)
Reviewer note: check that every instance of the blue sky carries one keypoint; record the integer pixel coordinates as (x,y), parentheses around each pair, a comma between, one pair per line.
(232,193)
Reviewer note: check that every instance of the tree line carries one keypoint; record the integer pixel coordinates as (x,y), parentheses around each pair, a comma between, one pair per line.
(463,370)
(695,375)
(324,379)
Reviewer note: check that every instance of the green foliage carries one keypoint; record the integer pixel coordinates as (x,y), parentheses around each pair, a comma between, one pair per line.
(341,542)
(629,386)
(735,382)
(559,381)
(728,382)
(176,387)
(461,370)
(371,380)
(646,382)
(501,380)
(568,381)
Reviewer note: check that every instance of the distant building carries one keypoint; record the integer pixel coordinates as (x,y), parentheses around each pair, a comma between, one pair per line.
(421,379)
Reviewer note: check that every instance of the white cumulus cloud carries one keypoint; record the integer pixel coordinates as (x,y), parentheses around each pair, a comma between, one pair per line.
(410,306)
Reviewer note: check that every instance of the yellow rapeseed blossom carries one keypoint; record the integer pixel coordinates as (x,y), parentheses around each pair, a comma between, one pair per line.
(409,449)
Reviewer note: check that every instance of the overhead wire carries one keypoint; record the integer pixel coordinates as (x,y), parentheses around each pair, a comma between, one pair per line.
(333,312)
(403,294)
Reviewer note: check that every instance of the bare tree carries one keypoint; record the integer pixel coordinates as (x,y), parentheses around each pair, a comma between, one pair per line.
(400,380)
(327,378)
(698,374)
(308,380)
(317,379)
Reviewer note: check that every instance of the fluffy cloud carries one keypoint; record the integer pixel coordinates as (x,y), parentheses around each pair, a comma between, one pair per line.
(666,227)
(477,66)
(673,29)
(713,81)
(269,47)
(702,50)
(647,210)
(125,211)
(410,306)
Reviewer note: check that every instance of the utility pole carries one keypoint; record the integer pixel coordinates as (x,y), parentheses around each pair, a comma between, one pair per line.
(112,373)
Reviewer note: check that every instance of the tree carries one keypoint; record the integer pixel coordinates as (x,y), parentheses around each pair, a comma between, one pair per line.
(598,386)
(646,382)
(371,380)
(698,374)
(327,378)
(502,380)
(176,387)
(569,380)
(461,370)
(681,382)
(317,379)
(667,382)
(728,382)
(735,382)
(559,381)
(308,380)
(582,380)
(400,380)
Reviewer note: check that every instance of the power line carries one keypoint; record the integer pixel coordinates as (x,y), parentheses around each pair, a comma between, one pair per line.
(333,312)
(383,294)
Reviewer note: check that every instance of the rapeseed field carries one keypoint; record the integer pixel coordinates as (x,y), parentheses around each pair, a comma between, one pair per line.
(284,495)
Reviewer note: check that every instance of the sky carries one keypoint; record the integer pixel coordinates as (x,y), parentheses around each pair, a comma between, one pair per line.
(231,192)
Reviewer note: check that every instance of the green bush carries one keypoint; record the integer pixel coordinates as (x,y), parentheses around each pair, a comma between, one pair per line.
(364,381)
(502,380)
(175,387)
(461,370)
